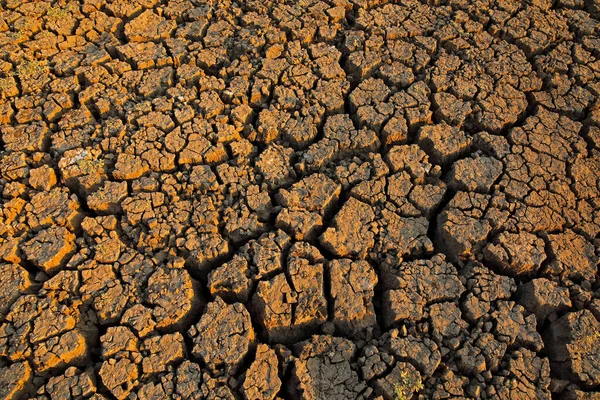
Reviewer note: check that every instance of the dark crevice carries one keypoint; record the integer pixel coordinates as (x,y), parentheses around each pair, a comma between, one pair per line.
(432,230)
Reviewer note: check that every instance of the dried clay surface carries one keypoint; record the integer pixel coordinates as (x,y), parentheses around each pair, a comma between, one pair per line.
(314,199)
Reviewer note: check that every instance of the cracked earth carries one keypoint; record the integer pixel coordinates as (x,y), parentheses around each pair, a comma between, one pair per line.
(336,199)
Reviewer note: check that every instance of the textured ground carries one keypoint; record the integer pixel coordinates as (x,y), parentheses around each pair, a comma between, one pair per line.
(299,199)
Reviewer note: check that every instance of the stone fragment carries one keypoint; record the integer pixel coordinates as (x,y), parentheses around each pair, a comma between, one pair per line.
(223,336)
(475,174)
(443,142)
(573,346)
(352,288)
(322,370)
(119,377)
(543,297)
(14,282)
(351,234)
(50,249)
(14,380)
(262,378)
(148,27)
(174,297)
(516,253)
(410,286)
(161,351)
(107,199)
(42,178)
(573,255)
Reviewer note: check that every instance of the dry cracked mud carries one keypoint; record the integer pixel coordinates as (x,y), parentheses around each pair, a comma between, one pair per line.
(315,199)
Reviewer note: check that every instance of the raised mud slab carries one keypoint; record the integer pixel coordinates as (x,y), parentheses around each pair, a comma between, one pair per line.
(337,199)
